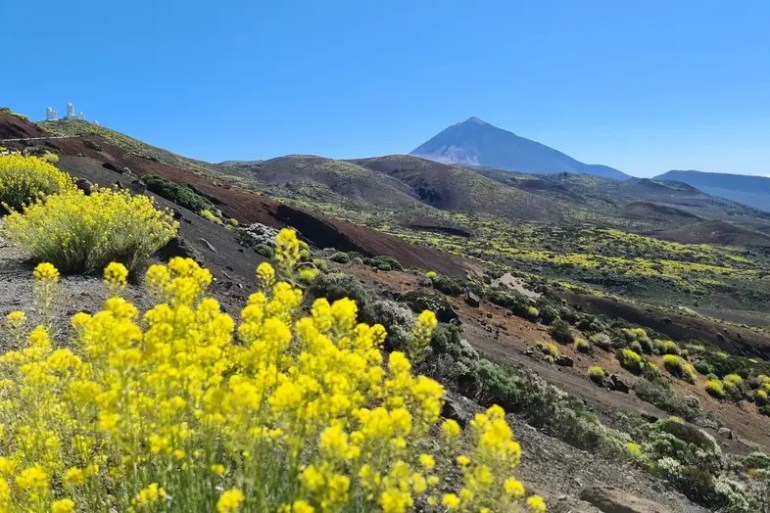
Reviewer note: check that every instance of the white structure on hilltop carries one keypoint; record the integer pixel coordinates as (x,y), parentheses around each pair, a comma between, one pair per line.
(52,115)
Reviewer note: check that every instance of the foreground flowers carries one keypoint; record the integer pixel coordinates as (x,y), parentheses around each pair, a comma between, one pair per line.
(184,410)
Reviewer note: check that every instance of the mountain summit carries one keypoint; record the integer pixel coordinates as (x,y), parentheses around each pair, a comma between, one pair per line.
(475,142)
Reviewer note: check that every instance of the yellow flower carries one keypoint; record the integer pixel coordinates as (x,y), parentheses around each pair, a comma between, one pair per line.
(302,507)
(536,504)
(218,469)
(16,319)
(308,274)
(74,476)
(115,276)
(265,275)
(150,494)
(451,501)
(63,506)
(513,487)
(45,271)
(427,461)
(31,478)
(230,500)
(451,428)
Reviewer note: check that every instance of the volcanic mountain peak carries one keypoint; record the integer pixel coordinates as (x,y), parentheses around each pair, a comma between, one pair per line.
(475,142)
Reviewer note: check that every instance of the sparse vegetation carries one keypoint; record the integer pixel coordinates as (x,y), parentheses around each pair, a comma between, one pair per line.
(630,360)
(25,179)
(597,374)
(679,367)
(183,195)
(715,388)
(78,233)
(183,444)
(561,332)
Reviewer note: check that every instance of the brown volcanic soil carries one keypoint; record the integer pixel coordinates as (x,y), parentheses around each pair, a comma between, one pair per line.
(712,232)
(85,162)
(680,327)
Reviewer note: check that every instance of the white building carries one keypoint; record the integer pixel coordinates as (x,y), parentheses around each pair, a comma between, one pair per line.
(70,111)
(51,115)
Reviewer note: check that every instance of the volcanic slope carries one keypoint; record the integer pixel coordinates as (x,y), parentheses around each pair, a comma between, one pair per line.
(95,152)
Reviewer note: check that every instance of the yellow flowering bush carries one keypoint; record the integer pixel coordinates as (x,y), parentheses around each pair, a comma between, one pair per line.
(23,179)
(183,409)
(76,232)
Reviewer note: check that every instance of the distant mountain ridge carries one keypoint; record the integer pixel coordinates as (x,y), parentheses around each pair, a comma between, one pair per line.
(752,191)
(477,143)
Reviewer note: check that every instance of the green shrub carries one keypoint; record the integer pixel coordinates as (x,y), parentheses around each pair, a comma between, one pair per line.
(679,367)
(548,348)
(597,374)
(602,341)
(449,285)
(397,319)
(733,380)
(582,345)
(340,257)
(384,263)
(715,388)
(77,233)
(183,195)
(210,216)
(53,158)
(561,332)
(702,367)
(650,372)
(639,340)
(667,347)
(548,314)
(334,286)
(24,179)
(630,360)
(532,313)
(760,397)
(264,250)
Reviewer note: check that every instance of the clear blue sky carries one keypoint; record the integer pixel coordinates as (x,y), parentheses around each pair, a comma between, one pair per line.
(642,86)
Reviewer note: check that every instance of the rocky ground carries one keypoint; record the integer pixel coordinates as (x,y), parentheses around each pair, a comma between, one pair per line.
(571,479)
(557,470)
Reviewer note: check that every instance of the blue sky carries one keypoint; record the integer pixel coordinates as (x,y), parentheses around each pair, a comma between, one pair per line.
(642,86)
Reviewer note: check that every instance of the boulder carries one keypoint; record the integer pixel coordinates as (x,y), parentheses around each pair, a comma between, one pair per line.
(612,500)
(177,247)
(138,187)
(92,145)
(616,383)
(84,185)
(472,299)
(452,409)
(725,433)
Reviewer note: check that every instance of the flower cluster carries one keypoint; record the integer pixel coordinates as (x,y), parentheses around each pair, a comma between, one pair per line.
(184,409)
(24,179)
(84,233)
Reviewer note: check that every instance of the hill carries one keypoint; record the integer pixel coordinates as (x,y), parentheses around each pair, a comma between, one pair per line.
(753,191)
(546,285)
(477,143)
(400,182)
